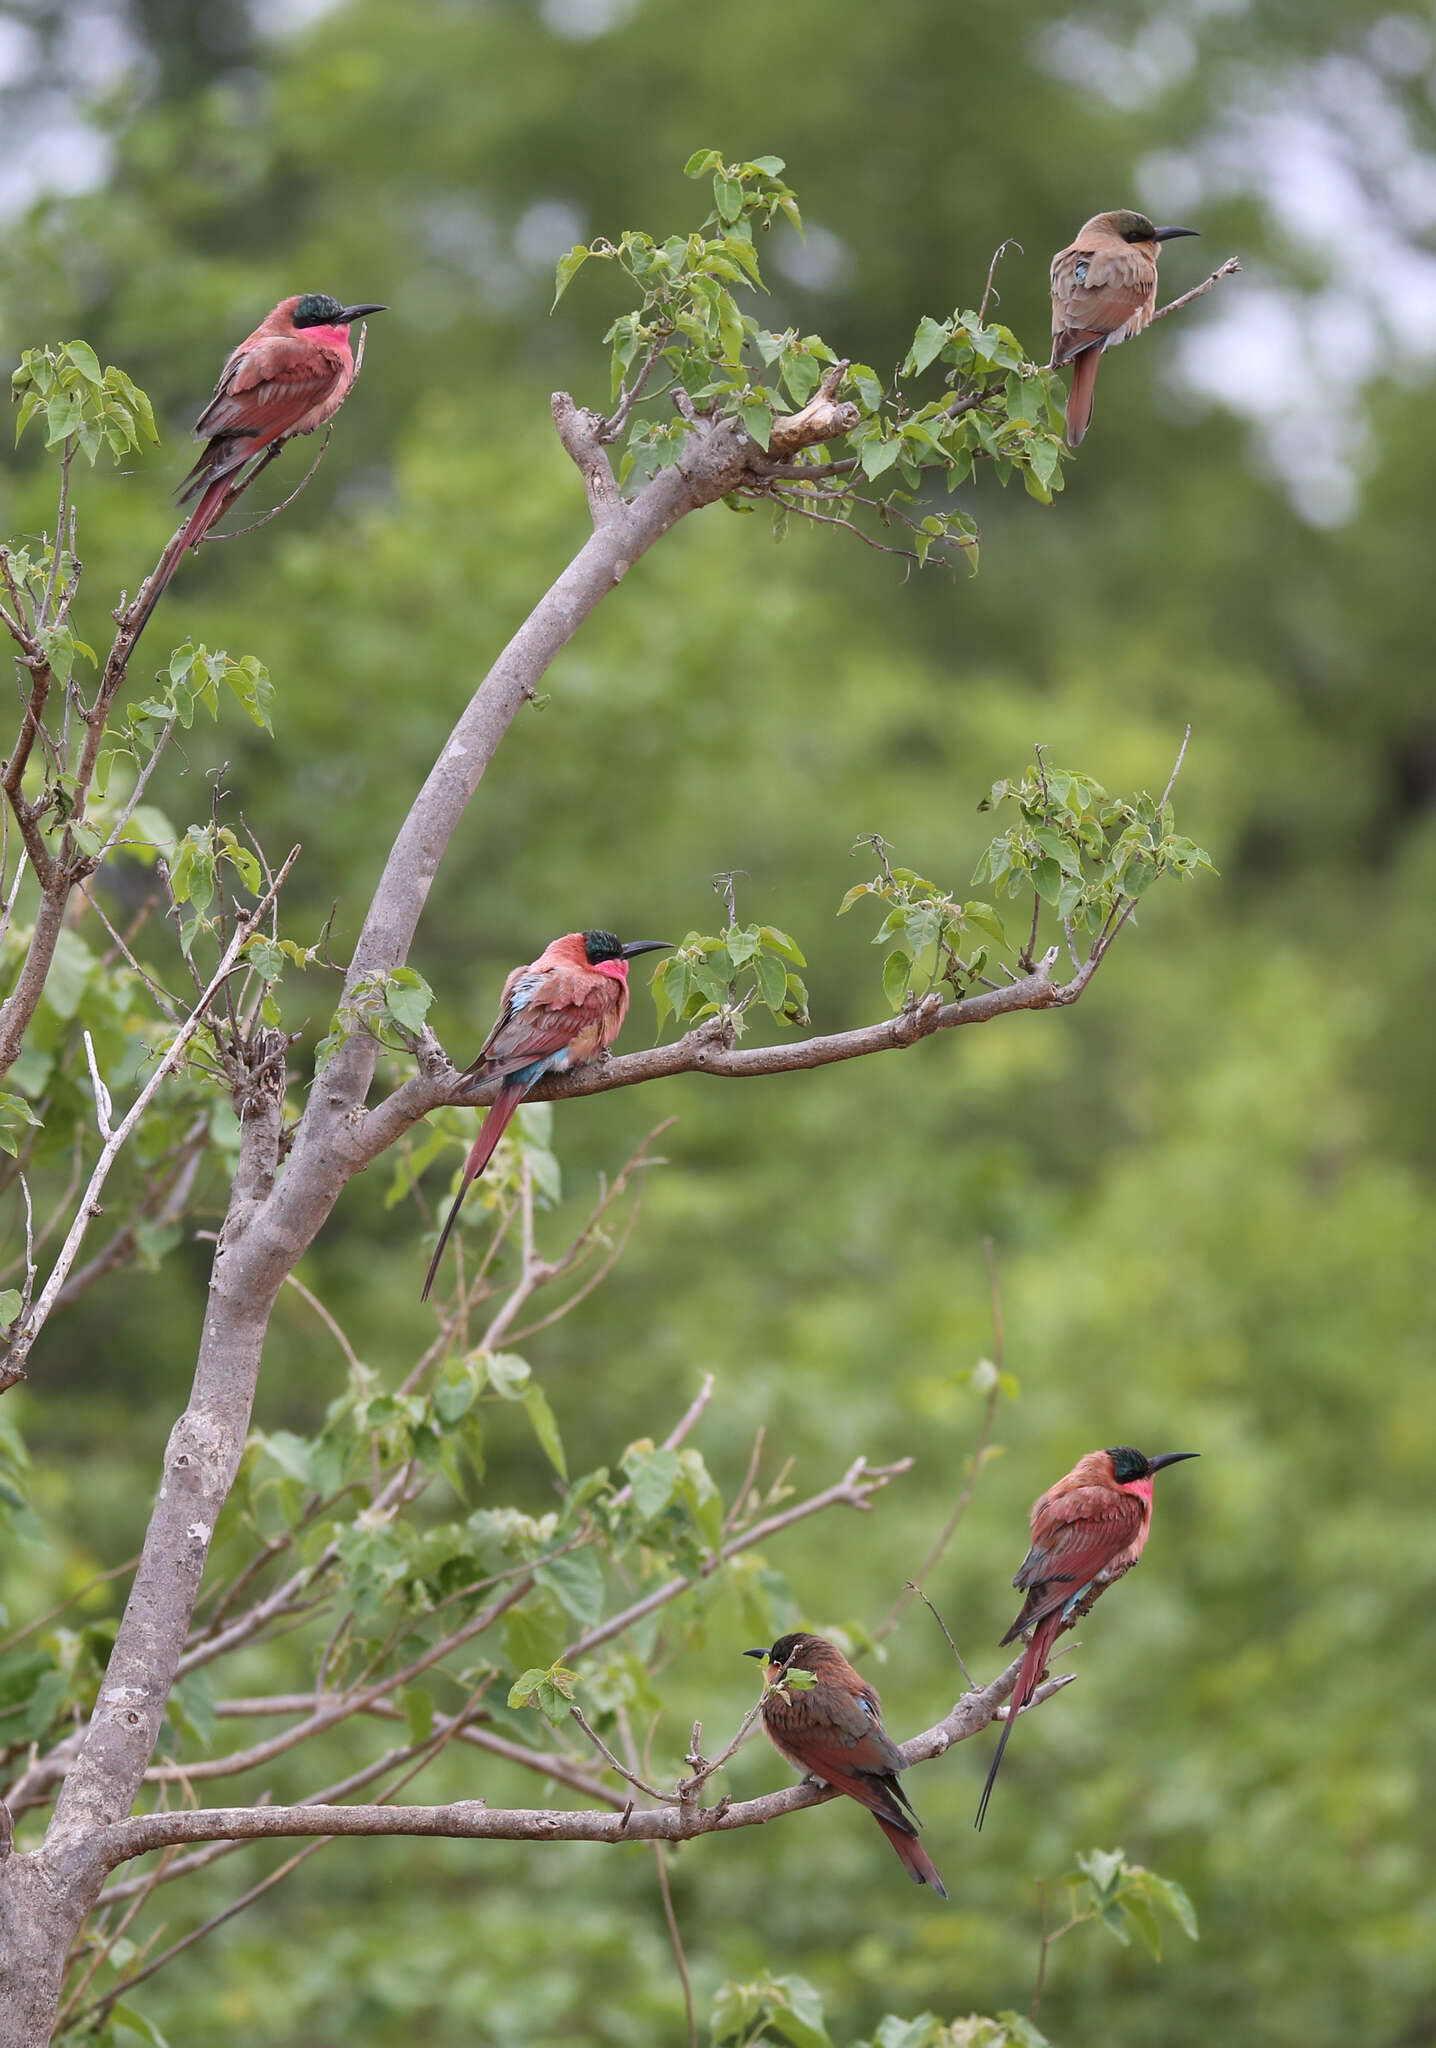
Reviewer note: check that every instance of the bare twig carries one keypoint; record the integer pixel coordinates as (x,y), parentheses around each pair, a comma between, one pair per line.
(274,511)
(974,1467)
(660,1856)
(997,255)
(630,1777)
(947,1632)
(25,1332)
(1228,269)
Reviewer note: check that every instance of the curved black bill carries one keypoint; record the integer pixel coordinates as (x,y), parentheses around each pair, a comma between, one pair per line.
(755,1653)
(1170,1458)
(358,312)
(647,946)
(1170,235)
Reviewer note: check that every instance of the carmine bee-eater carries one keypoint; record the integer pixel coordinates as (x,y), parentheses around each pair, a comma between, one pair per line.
(556,1014)
(288,377)
(1104,290)
(834,1731)
(1089,1528)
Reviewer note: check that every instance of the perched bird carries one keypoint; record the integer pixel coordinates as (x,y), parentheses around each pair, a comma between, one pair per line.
(1090,1527)
(1104,290)
(834,1731)
(289,377)
(559,1013)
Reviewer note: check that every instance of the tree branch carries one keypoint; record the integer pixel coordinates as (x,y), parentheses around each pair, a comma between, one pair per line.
(472,1820)
(706,1051)
(1228,269)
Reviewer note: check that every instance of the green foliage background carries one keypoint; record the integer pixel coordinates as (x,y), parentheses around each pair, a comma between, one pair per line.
(1209,1186)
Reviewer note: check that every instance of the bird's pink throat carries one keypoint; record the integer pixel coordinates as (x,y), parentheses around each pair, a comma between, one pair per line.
(616,970)
(328,337)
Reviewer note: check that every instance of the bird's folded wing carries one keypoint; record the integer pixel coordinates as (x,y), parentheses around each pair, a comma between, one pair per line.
(554,1013)
(268,386)
(1076,1534)
(874,1785)
(1096,293)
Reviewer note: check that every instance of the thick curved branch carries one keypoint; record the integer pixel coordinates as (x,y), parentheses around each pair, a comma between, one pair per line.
(471,1820)
(707,1050)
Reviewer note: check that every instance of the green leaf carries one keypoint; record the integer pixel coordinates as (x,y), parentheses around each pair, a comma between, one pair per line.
(125,2017)
(545,1428)
(191,1707)
(802,373)
(986,919)
(507,1374)
(897,972)
(701,163)
(1138,875)
(250,681)
(758,421)
(525,1685)
(1103,1867)
(418,1713)
(453,1399)
(728,197)
(1047,880)
(567,269)
(1143,1917)
(772,972)
(577,1582)
(653,1475)
(867,385)
(407,997)
(70,971)
(798,2013)
(289,1452)
(10,1304)
(1167,1892)
(927,344)
(877,457)
(85,361)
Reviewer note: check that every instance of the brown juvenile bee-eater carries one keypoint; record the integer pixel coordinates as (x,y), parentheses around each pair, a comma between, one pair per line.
(1104,290)
(563,1010)
(288,377)
(1089,1528)
(834,1730)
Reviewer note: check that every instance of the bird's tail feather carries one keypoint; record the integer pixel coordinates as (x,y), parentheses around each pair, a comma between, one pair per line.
(495,1124)
(214,500)
(914,1858)
(1034,1663)
(1079,398)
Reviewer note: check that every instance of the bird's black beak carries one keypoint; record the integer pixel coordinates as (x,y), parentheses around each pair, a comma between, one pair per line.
(1170,1458)
(653,946)
(358,312)
(1170,235)
(755,1653)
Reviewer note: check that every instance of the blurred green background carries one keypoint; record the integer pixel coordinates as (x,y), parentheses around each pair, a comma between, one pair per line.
(1209,1185)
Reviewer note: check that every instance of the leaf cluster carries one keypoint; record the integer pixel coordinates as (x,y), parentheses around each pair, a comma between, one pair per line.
(691,339)
(932,938)
(81,402)
(789,2010)
(724,974)
(1127,1899)
(1085,853)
